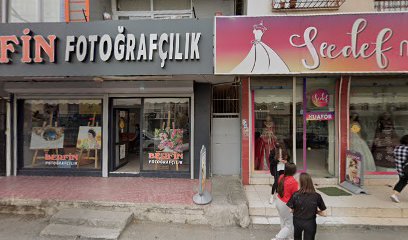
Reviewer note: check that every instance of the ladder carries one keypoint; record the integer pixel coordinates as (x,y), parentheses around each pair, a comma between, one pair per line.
(76,10)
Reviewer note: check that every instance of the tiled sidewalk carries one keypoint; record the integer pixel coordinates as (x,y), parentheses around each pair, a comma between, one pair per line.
(118,189)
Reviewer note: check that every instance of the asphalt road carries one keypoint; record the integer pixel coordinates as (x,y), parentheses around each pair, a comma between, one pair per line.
(20,227)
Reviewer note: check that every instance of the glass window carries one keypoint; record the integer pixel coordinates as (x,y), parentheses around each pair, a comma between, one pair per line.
(133,5)
(378,119)
(166,134)
(29,11)
(171,5)
(51,11)
(273,121)
(62,134)
(23,11)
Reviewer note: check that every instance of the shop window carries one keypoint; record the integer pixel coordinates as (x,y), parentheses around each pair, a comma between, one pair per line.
(306,4)
(225,101)
(306,138)
(158,5)
(273,121)
(34,11)
(133,5)
(378,119)
(63,134)
(166,134)
(171,5)
(390,5)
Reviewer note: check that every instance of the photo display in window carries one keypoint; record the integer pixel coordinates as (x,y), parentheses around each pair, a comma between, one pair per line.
(62,134)
(166,134)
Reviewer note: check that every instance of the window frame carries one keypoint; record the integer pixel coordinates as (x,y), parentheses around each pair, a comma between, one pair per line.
(164,14)
(43,171)
(142,128)
(390,5)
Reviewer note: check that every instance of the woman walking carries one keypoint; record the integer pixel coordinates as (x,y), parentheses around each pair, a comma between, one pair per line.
(401,163)
(287,185)
(305,204)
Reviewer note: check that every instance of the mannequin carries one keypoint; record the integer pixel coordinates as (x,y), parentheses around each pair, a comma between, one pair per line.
(269,139)
(358,144)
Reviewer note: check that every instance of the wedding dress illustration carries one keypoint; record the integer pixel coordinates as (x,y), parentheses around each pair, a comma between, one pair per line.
(358,144)
(261,58)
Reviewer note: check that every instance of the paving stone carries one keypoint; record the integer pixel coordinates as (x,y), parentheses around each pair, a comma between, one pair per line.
(92,218)
(257,211)
(83,232)
(259,220)
(271,211)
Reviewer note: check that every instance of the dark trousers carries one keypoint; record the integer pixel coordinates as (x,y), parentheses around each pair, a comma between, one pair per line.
(403,181)
(276,176)
(307,227)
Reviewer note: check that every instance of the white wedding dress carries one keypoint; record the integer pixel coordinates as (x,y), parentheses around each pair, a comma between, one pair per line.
(261,59)
(358,144)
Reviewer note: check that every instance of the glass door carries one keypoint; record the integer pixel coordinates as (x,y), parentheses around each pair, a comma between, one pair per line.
(126,136)
(315,124)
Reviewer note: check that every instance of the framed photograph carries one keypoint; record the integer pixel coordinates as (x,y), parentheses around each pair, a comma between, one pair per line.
(89,138)
(47,138)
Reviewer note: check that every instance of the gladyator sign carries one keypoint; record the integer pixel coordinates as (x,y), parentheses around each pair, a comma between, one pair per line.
(143,47)
(312,44)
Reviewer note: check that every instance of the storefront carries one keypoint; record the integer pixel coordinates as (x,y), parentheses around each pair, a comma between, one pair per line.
(110,98)
(317,87)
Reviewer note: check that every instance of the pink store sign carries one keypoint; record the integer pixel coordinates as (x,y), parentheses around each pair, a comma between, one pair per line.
(320,98)
(375,42)
(319,116)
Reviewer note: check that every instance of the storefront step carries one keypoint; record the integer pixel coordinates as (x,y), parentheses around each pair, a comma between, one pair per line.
(375,204)
(92,218)
(260,210)
(368,181)
(87,224)
(156,212)
(341,222)
(266,180)
(80,232)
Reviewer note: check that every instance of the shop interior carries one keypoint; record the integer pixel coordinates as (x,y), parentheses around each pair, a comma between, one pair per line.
(126,135)
(150,134)
(273,108)
(378,119)
(60,134)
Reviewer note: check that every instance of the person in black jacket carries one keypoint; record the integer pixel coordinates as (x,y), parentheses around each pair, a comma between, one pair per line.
(305,204)
(278,157)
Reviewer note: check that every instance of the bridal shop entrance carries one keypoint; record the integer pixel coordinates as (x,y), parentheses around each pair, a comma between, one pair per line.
(297,116)
(315,124)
